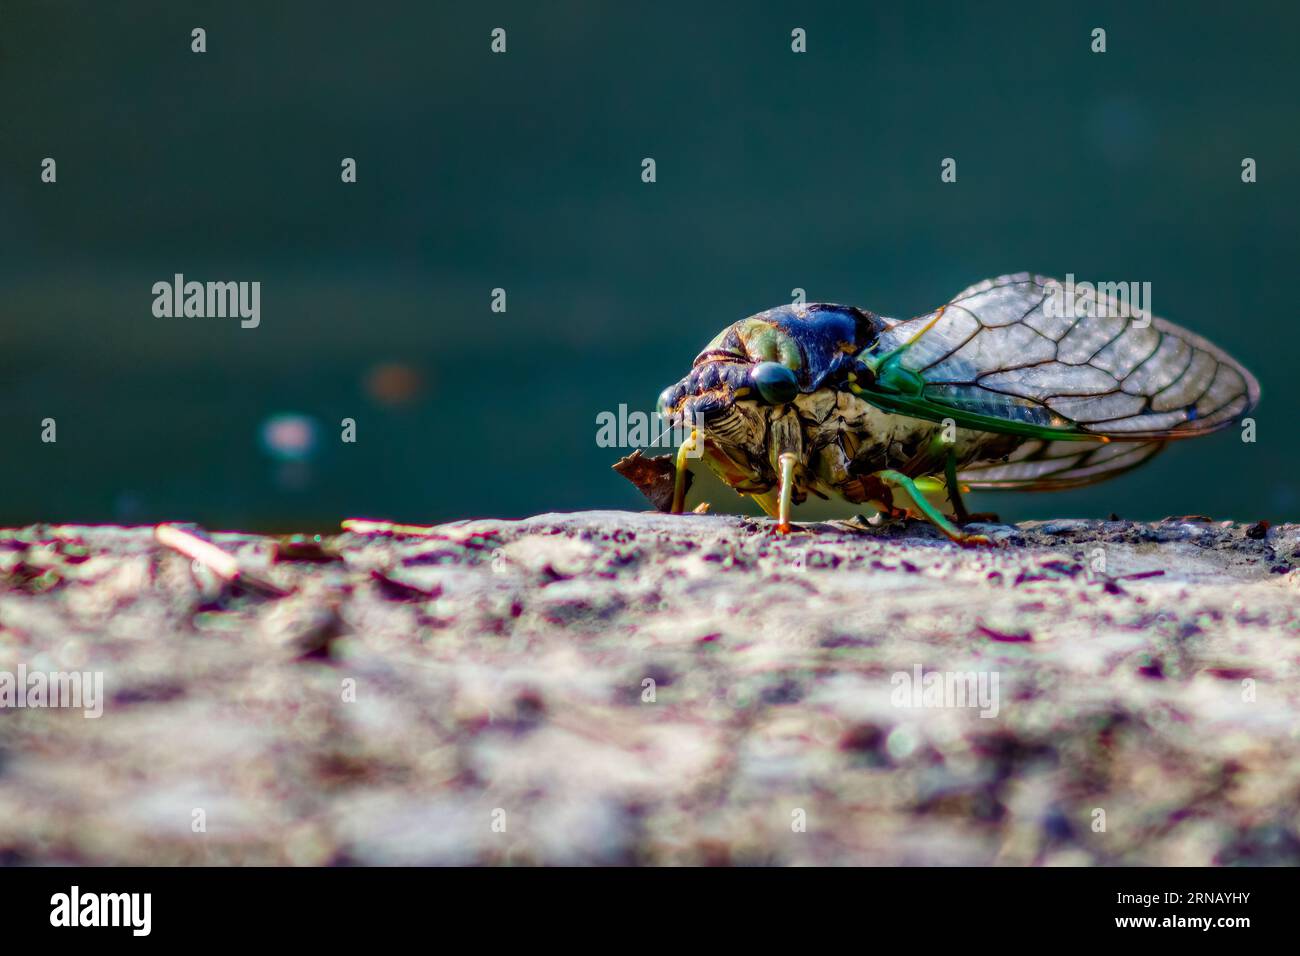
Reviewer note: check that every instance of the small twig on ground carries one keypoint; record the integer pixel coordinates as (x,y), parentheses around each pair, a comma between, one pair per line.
(222,563)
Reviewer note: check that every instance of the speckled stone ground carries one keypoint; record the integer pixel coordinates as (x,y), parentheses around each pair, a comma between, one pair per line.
(503,710)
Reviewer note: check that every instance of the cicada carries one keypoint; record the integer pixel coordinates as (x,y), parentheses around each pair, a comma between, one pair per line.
(1009,385)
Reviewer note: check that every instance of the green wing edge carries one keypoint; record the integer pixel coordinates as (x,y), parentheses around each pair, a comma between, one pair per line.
(919,406)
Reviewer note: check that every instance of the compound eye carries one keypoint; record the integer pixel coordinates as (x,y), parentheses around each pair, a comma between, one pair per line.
(776,384)
(666,397)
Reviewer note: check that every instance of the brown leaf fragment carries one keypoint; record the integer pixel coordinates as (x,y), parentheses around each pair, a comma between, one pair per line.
(653,477)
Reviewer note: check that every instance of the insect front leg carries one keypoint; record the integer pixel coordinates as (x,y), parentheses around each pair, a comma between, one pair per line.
(679,480)
(787,461)
(785,442)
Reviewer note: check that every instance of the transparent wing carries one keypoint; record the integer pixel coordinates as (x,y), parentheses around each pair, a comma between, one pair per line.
(1040,465)
(1012,349)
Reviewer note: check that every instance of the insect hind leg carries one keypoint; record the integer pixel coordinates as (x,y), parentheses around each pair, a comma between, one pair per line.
(954,489)
(897,480)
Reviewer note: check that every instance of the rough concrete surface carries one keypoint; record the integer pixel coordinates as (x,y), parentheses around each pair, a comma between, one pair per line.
(1146,680)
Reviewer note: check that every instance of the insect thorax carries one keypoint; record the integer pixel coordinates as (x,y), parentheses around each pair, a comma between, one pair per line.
(839,439)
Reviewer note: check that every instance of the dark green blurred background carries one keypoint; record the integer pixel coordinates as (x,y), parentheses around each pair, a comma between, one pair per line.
(522,171)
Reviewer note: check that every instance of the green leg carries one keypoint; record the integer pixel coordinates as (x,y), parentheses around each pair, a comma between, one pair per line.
(896,479)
